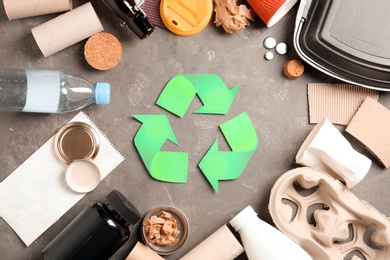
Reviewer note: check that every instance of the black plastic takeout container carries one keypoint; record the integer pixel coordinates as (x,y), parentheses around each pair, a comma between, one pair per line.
(347,39)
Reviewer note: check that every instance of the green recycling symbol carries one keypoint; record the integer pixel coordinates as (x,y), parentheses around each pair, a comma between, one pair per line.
(176,98)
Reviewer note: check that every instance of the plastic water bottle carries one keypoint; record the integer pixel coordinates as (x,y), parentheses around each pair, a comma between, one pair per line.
(48,91)
(263,241)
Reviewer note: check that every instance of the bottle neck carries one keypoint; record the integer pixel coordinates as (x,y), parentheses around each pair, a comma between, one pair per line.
(93,97)
(114,215)
(243,218)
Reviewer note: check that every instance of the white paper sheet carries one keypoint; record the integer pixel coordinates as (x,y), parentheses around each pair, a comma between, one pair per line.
(36,195)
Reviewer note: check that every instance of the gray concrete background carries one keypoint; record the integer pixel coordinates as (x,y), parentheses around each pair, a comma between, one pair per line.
(277,107)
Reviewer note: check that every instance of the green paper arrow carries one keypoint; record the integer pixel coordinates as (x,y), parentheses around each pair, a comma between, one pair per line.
(212,91)
(150,138)
(229,165)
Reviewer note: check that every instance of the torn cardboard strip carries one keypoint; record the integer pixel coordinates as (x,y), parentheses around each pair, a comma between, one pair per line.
(337,102)
(371,126)
(231,17)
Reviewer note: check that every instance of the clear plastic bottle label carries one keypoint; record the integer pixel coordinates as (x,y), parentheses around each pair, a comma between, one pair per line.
(43,91)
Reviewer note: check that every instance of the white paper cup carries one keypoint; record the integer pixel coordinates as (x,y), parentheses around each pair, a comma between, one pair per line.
(326,149)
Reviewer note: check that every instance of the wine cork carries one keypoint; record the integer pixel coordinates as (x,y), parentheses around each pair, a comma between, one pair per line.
(16,9)
(293,69)
(103,51)
(67,29)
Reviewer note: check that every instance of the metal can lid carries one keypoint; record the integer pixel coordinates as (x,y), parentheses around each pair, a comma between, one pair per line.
(76,141)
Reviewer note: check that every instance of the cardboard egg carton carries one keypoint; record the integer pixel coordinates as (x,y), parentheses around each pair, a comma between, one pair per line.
(326,219)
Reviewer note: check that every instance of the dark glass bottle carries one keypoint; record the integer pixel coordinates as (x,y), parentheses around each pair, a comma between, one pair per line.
(133,16)
(97,232)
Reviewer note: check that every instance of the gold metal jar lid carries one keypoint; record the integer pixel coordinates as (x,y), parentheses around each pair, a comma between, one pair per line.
(76,141)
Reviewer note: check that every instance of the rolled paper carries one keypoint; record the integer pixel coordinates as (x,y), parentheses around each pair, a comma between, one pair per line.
(16,9)
(67,29)
(222,244)
(140,251)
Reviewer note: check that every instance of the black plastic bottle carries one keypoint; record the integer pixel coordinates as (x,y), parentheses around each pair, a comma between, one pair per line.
(97,232)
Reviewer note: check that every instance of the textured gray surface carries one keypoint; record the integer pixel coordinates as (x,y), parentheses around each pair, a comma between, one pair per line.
(277,107)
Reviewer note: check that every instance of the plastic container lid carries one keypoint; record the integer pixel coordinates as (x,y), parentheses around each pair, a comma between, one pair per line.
(186,17)
(346,40)
(102,93)
(83,176)
(120,206)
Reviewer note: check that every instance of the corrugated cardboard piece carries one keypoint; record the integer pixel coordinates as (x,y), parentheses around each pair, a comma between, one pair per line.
(337,102)
(371,126)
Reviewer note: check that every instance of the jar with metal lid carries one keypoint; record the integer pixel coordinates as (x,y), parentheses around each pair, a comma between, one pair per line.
(97,232)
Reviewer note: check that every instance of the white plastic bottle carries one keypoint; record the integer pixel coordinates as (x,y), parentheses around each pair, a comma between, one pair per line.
(48,91)
(263,241)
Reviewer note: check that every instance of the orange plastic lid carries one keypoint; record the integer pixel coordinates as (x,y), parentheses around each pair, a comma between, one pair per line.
(186,17)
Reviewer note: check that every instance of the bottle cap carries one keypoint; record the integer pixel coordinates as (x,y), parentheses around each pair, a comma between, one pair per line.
(102,93)
(240,219)
(83,176)
(122,208)
(76,141)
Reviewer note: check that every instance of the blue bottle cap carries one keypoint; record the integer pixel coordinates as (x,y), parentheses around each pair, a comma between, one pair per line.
(102,93)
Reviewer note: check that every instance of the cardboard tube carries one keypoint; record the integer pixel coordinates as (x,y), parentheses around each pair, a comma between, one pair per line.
(140,251)
(67,29)
(222,244)
(16,9)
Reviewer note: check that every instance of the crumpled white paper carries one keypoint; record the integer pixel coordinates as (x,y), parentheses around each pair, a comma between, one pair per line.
(36,194)
(326,149)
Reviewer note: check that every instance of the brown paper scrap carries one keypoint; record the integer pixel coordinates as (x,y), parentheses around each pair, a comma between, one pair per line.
(231,17)
(371,126)
(337,102)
